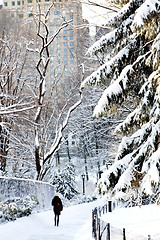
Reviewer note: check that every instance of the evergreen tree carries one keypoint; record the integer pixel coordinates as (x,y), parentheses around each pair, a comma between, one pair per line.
(64,181)
(131,62)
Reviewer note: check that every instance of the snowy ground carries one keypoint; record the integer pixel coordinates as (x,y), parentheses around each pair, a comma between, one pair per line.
(143,220)
(75,223)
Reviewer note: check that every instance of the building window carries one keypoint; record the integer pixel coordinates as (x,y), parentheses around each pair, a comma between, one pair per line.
(58,38)
(47,0)
(18,3)
(65,31)
(52,58)
(5,4)
(29,1)
(65,63)
(71,32)
(65,56)
(71,10)
(29,8)
(30,15)
(71,44)
(57,19)
(65,44)
(13,3)
(52,69)
(51,51)
(65,50)
(51,26)
(65,38)
(72,49)
(58,50)
(51,32)
(71,17)
(20,15)
(71,37)
(65,69)
(22,2)
(58,26)
(52,63)
(71,62)
(63,11)
(58,45)
(71,56)
(57,13)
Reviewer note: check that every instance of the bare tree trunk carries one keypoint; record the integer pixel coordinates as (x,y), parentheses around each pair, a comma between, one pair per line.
(68,152)
(4,144)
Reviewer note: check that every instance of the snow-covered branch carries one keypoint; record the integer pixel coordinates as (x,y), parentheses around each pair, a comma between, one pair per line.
(55,146)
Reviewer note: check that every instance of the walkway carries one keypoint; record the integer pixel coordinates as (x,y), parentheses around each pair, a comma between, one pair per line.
(75,224)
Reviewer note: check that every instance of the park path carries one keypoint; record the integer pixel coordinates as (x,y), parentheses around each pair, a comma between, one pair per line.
(75,224)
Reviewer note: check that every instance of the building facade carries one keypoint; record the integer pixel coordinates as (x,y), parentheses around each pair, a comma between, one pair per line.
(64,61)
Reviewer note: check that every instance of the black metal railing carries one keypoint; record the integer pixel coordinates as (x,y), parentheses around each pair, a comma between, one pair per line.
(104,231)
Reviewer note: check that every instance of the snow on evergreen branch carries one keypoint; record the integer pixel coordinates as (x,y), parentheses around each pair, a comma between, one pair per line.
(148,8)
(149,107)
(111,38)
(112,175)
(126,11)
(151,180)
(113,92)
(106,70)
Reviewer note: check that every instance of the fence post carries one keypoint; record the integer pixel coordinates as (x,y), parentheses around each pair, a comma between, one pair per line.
(114,205)
(99,211)
(108,231)
(109,206)
(103,210)
(106,208)
(124,234)
(94,223)
(99,229)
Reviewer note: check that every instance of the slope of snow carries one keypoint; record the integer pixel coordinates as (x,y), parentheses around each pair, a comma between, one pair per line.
(143,220)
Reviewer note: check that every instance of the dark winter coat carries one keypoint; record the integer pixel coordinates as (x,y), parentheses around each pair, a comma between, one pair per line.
(57,205)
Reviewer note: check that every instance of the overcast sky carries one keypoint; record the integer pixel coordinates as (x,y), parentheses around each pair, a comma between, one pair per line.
(95,15)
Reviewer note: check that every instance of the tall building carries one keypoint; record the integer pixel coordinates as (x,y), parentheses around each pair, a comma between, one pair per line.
(64,62)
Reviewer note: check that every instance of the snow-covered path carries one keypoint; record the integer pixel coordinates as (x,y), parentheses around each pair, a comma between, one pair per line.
(75,224)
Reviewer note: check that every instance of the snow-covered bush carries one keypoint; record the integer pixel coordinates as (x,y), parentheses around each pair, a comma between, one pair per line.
(64,181)
(15,208)
(132,66)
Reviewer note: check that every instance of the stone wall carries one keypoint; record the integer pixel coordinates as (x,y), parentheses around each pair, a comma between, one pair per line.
(11,188)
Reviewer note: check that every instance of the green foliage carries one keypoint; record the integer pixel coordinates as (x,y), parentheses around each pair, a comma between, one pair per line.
(14,208)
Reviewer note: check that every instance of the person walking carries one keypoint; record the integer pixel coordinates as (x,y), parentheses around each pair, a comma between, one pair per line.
(57,208)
